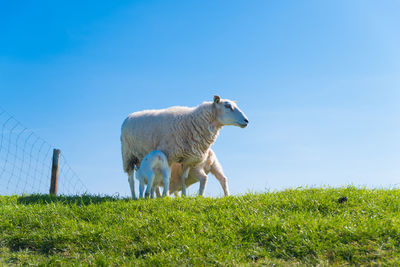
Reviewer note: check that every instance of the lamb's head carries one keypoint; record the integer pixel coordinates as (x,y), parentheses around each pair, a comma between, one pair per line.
(228,113)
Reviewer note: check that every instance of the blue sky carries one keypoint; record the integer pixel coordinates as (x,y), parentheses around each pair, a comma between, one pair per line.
(318,80)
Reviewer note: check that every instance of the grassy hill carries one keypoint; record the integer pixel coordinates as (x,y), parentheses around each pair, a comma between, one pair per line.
(299,226)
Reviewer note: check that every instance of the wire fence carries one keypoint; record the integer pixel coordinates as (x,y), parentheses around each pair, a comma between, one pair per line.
(26,162)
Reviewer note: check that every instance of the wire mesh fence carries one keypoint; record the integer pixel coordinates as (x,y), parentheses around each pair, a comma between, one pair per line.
(26,161)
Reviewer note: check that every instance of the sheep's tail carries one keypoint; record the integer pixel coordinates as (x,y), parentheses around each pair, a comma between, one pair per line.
(129,165)
(128,159)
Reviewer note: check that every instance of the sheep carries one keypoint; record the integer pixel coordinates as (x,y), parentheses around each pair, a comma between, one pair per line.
(153,169)
(183,134)
(198,173)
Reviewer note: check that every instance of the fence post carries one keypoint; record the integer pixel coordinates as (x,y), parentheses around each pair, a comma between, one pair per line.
(54,172)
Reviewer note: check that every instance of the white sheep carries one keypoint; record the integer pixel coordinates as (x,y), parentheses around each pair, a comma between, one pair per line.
(199,173)
(183,134)
(154,170)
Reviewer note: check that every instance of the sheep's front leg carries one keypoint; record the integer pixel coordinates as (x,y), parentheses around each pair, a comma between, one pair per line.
(216,170)
(185,174)
(131,182)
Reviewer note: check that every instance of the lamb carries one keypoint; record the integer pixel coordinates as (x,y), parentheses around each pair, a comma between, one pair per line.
(154,169)
(198,173)
(183,134)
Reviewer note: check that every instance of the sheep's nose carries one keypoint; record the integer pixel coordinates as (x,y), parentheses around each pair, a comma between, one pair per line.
(246,120)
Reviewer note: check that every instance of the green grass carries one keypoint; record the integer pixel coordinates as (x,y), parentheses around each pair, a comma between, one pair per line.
(295,226)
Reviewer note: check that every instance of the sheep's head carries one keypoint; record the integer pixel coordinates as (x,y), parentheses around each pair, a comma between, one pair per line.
(228,113)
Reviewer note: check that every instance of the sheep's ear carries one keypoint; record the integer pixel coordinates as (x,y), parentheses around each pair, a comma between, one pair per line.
(216,99)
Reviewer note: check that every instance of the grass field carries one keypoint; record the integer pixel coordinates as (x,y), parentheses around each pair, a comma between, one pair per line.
(299,226)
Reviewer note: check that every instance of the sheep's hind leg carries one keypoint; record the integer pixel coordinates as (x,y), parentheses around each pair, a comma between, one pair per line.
(131,182)
(185,174)
(216,170)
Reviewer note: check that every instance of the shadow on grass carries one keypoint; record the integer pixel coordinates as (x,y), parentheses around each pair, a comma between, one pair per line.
(68,200)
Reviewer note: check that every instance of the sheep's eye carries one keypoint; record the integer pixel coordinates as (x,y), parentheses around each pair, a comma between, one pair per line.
(227,105)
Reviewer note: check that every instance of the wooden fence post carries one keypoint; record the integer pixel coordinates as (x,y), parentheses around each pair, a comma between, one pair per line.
(54,172)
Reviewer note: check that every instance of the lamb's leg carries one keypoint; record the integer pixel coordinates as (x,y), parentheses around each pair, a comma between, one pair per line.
(166,177)
(216,170)
(184,176)
(203,183)
(158,191)
(202,176)
(131,182)
(141,188)
(150,180)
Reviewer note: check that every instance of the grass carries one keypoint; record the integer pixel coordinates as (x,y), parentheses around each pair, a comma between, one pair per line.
(292,227)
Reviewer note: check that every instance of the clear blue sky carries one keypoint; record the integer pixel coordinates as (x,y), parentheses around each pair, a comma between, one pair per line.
(318,80)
